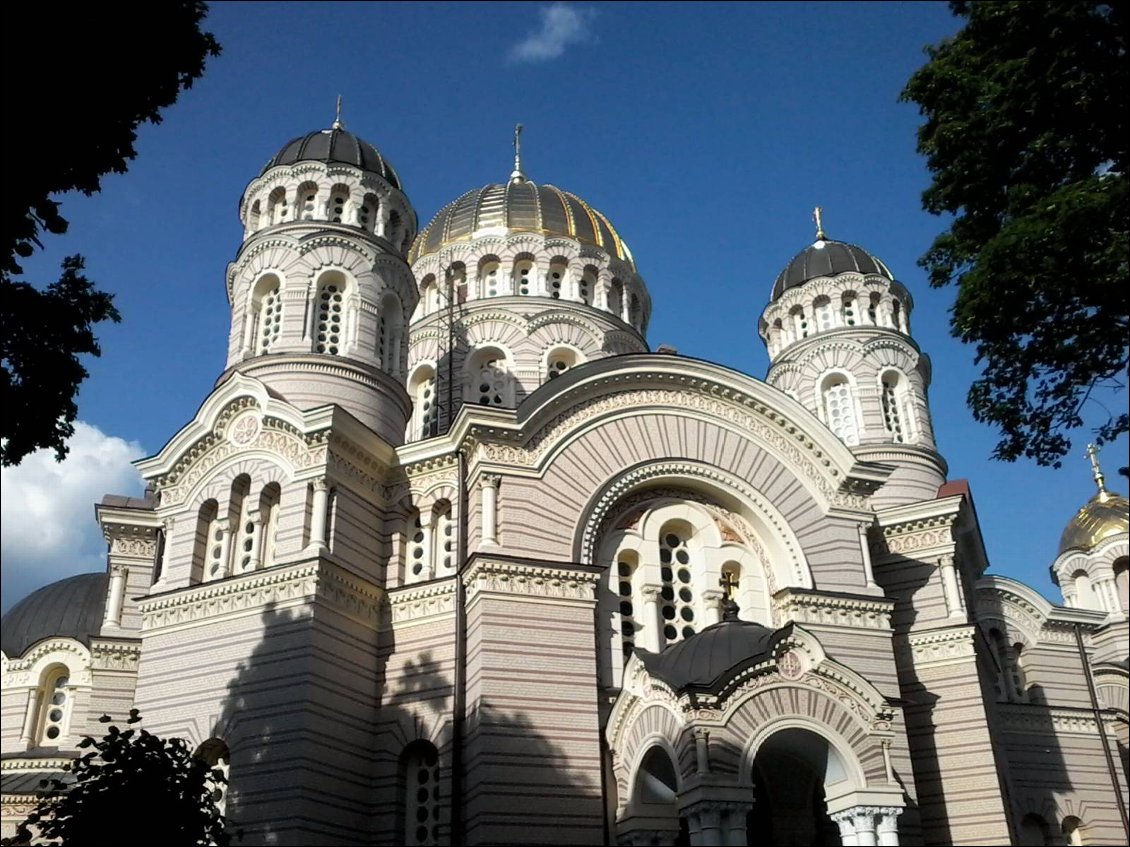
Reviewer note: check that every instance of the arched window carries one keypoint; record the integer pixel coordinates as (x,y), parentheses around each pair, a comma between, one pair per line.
(489,283)
(307,201)
(489,381)
(416,550)
(555,277)
(458,287)
(420,794)
(210,557)
(676,595)
(329,314)
(825,319)
(55,713)
(626,565)
(891,399)
(1085,597)
(839,409)
(245,529)
(367,213)
(253,217)
(443,540)
(268,528)
(339,204)
(1122,583)
(277,205)
(873,308)
(429,295)
(1073,831)
(898,318)
(616,298)
(394,232)
(266,307)
(559,360)
(848,306)
(586,286)
(1034,831)
(425,412)
(524,277)
(800,322)
(635,311)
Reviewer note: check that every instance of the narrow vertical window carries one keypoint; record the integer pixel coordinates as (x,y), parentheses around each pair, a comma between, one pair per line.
(328,317)
(892,412)
(417,549)
(616,298)
(839,410)
(444,540)
(270,320)
(625,575)
(420,800)
(676,594)
(586,286)
(524,278)
(823,309)
(848,306)
(56,707)
(488,279)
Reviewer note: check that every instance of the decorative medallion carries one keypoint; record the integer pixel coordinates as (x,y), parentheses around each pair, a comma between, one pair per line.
(244,429)
(790,666)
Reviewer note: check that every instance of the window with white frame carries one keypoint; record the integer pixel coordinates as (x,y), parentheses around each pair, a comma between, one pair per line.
(524,276)
(329,316)
(307,201)
(443,540)
(420,800)
(560,360)
(490,383)
(339,200)
(626,564)
(269,323)
(677,594)
(586,286)
(426,410)
(839,409)
(616,298)
(489,283)
(825,319)
(56,698)
(891,397)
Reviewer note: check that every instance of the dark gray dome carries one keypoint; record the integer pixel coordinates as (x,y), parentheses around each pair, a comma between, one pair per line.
(827,258)
(335,145)
(69,608)
(705,660)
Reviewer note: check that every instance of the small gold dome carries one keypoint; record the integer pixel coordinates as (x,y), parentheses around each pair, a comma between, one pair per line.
(518,206)
(1103,516)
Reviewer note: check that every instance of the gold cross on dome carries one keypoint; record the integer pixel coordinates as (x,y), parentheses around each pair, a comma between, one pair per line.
(1096,471)
(816,216)
(728,582)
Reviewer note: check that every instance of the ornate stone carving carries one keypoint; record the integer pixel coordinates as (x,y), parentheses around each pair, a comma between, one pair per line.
(858,613)
(115,656)
(937,647)
(413,603)
(244,429)
(498,576)
(916,535)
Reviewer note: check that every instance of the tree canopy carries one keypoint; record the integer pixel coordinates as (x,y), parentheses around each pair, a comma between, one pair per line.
(132,787)
(69,126)
(1025,137)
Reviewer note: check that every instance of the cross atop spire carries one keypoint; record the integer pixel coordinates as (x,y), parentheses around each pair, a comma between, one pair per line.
(816,216)
(516,175)
(337,124)
(1096,471)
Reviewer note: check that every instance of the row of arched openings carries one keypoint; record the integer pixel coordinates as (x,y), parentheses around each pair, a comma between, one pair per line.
(237,536)
(340,204)
(842,414)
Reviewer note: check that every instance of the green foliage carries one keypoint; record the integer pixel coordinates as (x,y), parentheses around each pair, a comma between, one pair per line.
(131,788)
(1025,137)
(109,73)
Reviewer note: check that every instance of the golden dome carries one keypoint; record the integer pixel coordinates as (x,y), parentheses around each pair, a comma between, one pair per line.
(1103,516)
(519,206)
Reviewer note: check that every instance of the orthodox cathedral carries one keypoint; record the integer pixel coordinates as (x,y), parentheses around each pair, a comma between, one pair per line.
(449,555)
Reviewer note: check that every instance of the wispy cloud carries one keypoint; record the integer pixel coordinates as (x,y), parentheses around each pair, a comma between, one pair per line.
(47,526)
(559,26)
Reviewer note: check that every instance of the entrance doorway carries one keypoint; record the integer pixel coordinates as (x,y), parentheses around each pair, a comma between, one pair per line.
(793,774)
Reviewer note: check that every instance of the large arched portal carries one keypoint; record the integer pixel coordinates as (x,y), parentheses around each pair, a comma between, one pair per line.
(794,773)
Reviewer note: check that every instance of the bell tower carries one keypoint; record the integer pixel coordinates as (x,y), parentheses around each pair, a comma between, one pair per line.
(837,329)
(320,291)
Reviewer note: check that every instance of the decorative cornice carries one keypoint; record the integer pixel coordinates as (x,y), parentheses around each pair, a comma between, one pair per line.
(916,535)
(32,764)
(832,610)
(937,647)
(422,602)
(115,655)
(504,577)
(277,587)
(1033,719)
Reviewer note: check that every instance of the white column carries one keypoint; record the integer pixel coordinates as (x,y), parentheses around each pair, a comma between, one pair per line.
(712,604)
(117,592)
(652,627)
(865,835)
(427,529)
(318,510)
(28,733)
(702,750)
(224,525)
(847,828)
(1108,596)
(888,827)
(710,819)
(950,588)
(865,550)
(736,830)
(255,554)
(694,829)
(488,487)
(887,761)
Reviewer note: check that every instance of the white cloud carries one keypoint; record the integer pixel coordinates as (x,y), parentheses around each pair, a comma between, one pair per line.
(560,25)
(47,525)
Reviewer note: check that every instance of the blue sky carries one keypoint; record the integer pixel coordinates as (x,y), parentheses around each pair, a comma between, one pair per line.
(706,132)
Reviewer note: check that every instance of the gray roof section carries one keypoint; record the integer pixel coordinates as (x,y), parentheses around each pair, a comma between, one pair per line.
(708,659)
(69,608)
(335,145)
(29,782)
(827,258)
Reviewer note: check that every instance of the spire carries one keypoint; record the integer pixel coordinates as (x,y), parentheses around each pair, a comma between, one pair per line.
(337,124)
(816,216)
(516,175)
(1096,471)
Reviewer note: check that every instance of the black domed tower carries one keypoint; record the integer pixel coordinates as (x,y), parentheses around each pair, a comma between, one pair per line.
(837,329)
(320,291)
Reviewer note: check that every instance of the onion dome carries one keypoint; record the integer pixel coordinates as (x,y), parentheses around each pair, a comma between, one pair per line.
(706,660)
(335,145)
(519,206)
(1103,516)
(70,608)
(827,258)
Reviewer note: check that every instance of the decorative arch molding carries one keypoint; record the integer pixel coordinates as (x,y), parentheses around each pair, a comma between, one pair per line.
(1104,554)
(789,567)
(28,669)
(848,753)
(1015,607)
(1113,684)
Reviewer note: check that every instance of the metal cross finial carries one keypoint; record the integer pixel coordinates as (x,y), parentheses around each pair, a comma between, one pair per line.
(816,216)
(516,175)
(1096,471)
(337,124)
(728,583)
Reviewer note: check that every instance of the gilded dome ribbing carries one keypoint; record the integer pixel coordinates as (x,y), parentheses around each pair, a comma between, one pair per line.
(1103,516)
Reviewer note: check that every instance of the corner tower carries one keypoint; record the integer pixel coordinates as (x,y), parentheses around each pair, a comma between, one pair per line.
(320,291)
(518,283)
(837,329)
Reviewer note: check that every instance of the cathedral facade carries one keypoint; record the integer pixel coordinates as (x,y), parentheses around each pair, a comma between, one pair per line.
(450,556)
